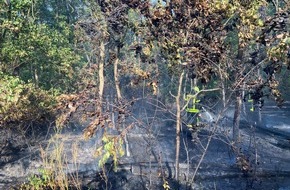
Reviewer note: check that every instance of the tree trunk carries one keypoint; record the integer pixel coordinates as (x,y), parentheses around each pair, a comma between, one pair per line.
(243,96)
(101,72)
(237,117)
(238,103)
(36,78)
(178,127)
(117,83)
(224,93)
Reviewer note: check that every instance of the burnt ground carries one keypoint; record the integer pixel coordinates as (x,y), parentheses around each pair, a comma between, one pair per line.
(262,160)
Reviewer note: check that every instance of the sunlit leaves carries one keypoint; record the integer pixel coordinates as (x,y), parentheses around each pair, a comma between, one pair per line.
(10,89)
(44,49)
(166,185)
(280,51)
(112,148)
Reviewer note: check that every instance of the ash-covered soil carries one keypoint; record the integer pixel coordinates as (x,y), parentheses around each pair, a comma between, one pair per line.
(208,158)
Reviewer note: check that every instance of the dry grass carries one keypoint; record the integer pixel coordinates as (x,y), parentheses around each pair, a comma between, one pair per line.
(60,163)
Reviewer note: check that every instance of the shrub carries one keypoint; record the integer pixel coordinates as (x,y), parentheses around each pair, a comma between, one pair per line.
(23,104)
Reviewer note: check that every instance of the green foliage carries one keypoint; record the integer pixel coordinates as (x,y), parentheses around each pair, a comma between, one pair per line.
(35,182)
(21,103)
(36,51)
(56,13)
(39,182)
(42,55)
(112,148)
(37,63)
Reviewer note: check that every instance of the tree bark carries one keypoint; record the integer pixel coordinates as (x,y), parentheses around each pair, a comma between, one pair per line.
(178,127)
(101,72)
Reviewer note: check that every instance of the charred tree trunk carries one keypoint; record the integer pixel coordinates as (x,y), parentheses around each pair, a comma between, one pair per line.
(178,127)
